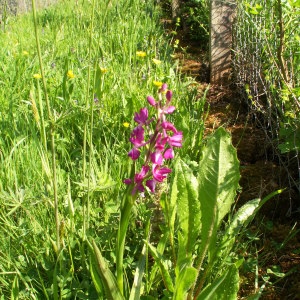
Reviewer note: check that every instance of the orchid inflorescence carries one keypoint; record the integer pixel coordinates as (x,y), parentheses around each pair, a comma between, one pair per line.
(160,144)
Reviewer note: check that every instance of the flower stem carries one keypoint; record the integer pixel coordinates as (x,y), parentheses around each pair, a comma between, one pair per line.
(52,130)
(127,204)
(86,203)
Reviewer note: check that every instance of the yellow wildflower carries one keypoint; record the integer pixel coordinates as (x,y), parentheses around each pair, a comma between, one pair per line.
(70,74)
(141,54)
(126,124)
(158,83)
(37,76)
(25,53)
(103,70)
(176,43)
(156,61)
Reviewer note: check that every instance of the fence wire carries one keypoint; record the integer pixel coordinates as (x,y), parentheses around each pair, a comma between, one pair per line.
(266,48)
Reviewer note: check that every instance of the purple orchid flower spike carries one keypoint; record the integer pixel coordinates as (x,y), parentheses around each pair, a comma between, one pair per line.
(163,136)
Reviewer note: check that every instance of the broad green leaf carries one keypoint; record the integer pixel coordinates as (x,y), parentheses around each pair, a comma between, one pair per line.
(218,181)
(240,220)
(184,281)
(109,282)
(96,277)
(225,287)
(182,256)
(188,205)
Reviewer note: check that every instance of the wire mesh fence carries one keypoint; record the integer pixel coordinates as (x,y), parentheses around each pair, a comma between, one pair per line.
(266,48)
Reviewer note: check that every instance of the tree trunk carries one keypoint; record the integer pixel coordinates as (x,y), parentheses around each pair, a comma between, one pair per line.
(221,20)
(175,8)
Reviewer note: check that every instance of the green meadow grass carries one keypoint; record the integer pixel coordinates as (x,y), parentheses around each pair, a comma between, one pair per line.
(95,82)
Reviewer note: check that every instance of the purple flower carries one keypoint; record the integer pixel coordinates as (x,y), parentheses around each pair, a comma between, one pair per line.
(141,117)
(134,154)
(169,95)
(138,179)
(151,185)
(159,174)
(151,100)
(160,142)
(169,109)
(176,139)
(169,153)
(156,158)
(137,136)
(168,126)
(163,88)
(127,181)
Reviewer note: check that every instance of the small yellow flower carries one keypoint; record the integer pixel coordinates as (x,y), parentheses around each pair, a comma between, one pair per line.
(126,124)
(176,43)
(70,74)
(158,83)
(25,53)
(141,54)
(103,70)
(156,61)
(37,76)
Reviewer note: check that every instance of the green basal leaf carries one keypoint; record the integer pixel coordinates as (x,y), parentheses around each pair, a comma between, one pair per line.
(240,220)
(138,276)
(96,277)
(188,206)
(225,287)
(184,281)
(109,282)
(218,181)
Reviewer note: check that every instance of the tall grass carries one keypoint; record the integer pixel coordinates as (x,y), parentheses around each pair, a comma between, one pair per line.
(94,82)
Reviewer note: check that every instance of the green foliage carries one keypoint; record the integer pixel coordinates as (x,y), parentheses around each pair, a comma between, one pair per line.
(63,156)
(193,19)
(195,238)
(195,15)
(225,287)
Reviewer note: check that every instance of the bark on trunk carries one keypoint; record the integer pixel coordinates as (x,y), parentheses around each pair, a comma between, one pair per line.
(221,20)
